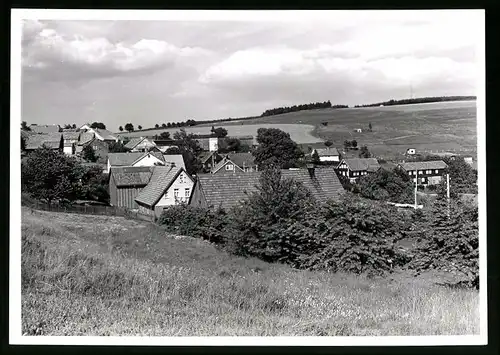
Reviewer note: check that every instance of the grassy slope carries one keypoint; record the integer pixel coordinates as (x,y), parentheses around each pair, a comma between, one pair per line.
(426,127)
(97,275)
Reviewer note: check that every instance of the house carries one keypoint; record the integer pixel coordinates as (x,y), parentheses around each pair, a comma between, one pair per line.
(168,186)
(469,160)
(101,148)
(50,140)
(228,190)
(100,134)
(410,151)
(125,183)
(174,160)
(140,144)
(427,172)
(134,159)
(209,160)
(245,161)
(71,139)
(45,129)
(209,144)
(330,154)
(226,166)
(357,167)
(358,130)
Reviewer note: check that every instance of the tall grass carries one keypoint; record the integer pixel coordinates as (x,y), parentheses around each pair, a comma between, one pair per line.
(140,281)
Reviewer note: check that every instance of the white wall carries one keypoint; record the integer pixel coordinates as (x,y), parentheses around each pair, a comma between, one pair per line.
(330,158)
(213,144)
(168,198)
(145,144)
(68,150)
(148,160)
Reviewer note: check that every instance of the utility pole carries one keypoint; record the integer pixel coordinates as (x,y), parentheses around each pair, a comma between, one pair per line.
(416,183)
(448,192)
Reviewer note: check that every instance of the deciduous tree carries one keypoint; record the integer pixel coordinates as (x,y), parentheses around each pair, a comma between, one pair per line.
(129,127)
(98,125)
(89,154)
(276,148)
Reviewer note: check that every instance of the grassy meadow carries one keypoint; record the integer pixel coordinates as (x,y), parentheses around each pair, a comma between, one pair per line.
(426,127)
(99,275)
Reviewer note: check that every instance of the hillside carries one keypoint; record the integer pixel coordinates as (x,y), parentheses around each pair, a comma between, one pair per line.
(426,127)
(113,276)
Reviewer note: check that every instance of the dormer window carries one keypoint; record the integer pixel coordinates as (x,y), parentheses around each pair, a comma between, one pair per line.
(181,178)
(229,167)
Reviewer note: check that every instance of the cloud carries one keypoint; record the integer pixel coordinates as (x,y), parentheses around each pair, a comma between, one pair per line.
(56,56)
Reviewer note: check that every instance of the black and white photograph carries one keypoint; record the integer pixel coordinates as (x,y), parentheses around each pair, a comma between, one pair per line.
(187,177)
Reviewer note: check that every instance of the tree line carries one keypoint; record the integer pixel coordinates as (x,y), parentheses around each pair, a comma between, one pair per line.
(420,100)
(295,108)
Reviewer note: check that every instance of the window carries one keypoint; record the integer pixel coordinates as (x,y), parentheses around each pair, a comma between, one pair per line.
(186,191)
(229,167)
(181,178)
(423,179)
(415,180)
(176,193)
(436,171)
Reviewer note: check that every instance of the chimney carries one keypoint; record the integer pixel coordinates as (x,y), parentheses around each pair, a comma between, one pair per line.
(311,168)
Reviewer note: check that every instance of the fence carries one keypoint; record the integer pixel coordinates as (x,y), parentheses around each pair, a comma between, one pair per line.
(94,210)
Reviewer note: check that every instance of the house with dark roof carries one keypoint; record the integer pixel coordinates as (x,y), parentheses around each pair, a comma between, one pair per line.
(245,161)
(425,172)
(135,159)
(70,141)
(168,186)
(100,147)
(209,160)
(329,154)
(45,129)
(125,183)
(50,140)
(354,168)
(228,190)
(140,144)
(226,166)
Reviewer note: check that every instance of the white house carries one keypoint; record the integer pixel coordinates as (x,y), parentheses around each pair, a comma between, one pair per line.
(100,134)
(330,154)
(410,151)
(168,186)
(135,159)
(358,130)
(213,144)
(140,144)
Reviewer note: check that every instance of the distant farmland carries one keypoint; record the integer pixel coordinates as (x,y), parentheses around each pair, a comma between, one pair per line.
(426,127)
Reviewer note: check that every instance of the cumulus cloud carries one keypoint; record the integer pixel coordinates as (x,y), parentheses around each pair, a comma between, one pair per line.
(54,55)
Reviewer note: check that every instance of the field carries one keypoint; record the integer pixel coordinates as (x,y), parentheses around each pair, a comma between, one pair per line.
(431,127)
(99,275)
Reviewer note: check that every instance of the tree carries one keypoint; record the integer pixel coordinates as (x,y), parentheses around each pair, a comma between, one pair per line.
(157,125)
(347,144)
(370,126)
(228,145)
(67,126)
(129,127)
(120,128)
(23,143)
(50,175)
(139,127)
(315,157)
(73,126)
(165,135)
(393,186)
(364,152)
(88,154)
(24,126)
(98,125)
(219,132)
(94,185)
(328,143)
(117,147)
(173,151)
(354,144)
(190,149)
(168,125)
(276,148)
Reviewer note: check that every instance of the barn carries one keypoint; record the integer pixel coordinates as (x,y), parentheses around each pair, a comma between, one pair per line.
(125,184)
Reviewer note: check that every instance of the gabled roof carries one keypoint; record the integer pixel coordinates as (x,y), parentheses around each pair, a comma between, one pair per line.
(128,159)
(134,142)
(86,137)
(424,165)
(162,178)
(131,175)
(205,156)
(362,164)
(45,128)
(222,163)
(105,134)
(327,152)
(70,135)
(242,159)
(227,190)
(51,140)
(176,159)
(26,134)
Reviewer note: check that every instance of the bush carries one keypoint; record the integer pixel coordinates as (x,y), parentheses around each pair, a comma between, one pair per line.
(356,236)
(449,243)
(195,222)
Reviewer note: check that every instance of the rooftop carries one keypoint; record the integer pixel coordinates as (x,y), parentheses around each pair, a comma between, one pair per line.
(327,152)
(424,165)
(362,164)
(131,175)
(127,159)
(45,128)
(161,179)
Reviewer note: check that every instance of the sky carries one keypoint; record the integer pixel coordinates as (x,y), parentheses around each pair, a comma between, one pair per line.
(147,72)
